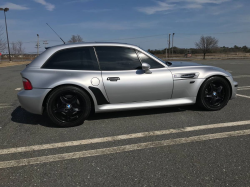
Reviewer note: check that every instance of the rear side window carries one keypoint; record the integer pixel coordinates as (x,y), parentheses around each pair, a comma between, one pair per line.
(80,58)
(117,58)
(153,64)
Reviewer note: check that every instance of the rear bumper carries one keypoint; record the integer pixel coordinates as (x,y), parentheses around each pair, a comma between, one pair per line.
(32,100)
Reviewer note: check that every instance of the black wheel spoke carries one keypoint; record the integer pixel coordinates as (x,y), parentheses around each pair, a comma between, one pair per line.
(72,100)
(211,86)
(213,100)
(219,89)
(68,106)
(59,110)
(209,96)
(68,116)
(220,95)
(219,98)
(77,109)
(63,100)
(209,91)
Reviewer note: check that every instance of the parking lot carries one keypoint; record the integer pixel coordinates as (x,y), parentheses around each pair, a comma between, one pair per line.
(177,146)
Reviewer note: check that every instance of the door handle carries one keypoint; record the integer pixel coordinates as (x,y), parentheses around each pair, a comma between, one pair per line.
(113,78)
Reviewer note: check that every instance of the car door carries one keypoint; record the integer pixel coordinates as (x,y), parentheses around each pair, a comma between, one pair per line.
(126,82)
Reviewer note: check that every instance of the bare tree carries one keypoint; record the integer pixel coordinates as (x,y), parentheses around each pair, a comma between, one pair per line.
(13,48)
(75,39)
(17,48)
(20,48)
(206,44)
(2,41)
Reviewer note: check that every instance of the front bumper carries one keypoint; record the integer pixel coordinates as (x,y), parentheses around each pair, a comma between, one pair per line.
(234,86)
(32,100)
(234,90)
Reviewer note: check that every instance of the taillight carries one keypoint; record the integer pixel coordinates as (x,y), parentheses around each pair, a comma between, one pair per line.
(26,84)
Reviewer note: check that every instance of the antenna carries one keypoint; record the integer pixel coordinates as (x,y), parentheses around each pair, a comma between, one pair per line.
(56,33)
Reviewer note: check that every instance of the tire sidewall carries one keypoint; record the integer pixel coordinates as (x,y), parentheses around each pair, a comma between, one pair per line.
(55,94)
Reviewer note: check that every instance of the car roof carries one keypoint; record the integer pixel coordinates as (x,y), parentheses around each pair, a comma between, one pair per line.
(69,45)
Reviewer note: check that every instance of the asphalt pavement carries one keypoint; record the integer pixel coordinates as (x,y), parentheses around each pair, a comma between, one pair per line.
(176,146)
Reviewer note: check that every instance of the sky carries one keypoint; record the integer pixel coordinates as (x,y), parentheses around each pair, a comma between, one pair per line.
(145,23)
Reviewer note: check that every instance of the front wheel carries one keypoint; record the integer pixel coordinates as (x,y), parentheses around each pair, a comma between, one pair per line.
(214,94)
(68,106)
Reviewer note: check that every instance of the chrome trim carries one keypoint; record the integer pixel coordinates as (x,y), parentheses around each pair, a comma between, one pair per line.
(97,59)
(178,76)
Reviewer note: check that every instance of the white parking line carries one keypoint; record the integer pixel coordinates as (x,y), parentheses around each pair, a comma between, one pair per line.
(241,76)
(243,96)
(119,149)
(5,105)
(120,137)
(18,88)
(244,87)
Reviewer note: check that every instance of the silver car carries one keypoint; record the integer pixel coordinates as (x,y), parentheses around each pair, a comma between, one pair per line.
(69,81)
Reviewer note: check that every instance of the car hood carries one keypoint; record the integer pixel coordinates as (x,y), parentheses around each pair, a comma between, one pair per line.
(181,64)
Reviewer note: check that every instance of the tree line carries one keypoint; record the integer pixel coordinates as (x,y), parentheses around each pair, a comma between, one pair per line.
(176,50)
(206,44)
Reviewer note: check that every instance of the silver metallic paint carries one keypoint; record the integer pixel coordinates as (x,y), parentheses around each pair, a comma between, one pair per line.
(48,78)
(134,89)
(146,104)
(183,88)
(146,68)
(32,100)
(135,85)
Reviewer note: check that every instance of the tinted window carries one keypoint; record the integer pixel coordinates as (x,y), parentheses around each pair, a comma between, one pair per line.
(117,58)
(153,64)
(80,58)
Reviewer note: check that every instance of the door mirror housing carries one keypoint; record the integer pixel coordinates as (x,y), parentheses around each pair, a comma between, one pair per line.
(146,68)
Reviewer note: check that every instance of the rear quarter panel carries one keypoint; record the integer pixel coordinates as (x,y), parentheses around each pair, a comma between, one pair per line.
(51,78)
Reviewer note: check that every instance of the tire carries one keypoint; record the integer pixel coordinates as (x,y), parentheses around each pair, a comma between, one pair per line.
(214,94)
(68,106)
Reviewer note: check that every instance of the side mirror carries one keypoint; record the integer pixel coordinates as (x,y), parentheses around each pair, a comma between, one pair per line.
(146,68)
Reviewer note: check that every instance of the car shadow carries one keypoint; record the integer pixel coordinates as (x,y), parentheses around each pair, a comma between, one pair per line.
(19,115)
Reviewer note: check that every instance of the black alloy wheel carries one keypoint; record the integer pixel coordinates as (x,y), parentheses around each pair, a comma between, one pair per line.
(68,106)
(214,94)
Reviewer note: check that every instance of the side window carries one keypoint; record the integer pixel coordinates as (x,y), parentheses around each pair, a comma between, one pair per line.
(79,58)
(117,58)
(153,64)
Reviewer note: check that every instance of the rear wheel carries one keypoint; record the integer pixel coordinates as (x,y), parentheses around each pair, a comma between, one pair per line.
(214,94)
(68,106)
